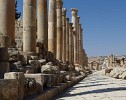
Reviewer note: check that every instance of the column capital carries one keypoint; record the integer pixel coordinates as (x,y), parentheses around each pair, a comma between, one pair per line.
(74,33)
(67,19)
(59,4)
(64,10)
(74,11)
(78,18)
(71,25)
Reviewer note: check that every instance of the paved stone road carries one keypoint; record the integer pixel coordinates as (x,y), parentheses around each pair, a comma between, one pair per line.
(96,87)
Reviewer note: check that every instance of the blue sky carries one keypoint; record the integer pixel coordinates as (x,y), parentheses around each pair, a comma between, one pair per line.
(104,24)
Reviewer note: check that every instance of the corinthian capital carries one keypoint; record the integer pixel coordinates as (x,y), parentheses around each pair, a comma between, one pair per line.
(64,10)
(59,4)
(74,11)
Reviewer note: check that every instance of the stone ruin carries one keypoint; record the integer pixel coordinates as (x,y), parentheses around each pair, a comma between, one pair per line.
(36,55)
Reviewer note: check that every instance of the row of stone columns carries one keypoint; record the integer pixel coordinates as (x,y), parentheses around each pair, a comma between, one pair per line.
(64,38)
(54,33)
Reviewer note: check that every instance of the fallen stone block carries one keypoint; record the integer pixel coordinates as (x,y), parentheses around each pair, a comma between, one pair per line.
(39,78)
(19,76)
(49,80)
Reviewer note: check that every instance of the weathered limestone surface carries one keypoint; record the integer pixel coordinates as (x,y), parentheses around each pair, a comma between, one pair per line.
(49,80)
(42,35)
(9,89)
(52,27)
(64,34)
(67,39)
(4,10)
(4,38)
(11,22)
(78,21)
(19,76)
(59,5)
(80,44)
(29,26)
(74,21)
(70,42)
(39,78)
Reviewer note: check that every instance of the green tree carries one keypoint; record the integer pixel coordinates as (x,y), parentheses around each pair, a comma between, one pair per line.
(17,14)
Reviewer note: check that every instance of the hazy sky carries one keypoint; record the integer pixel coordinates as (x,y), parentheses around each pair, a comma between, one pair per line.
(104,24)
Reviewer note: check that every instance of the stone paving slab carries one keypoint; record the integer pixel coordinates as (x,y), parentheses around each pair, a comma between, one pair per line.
(96,87)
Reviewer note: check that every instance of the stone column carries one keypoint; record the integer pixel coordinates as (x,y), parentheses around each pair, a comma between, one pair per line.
(80,43)
(67,39)
(70,42)
(74,21)
(59,4)
(4,29)
(52,27)
(64,34)
(42,35)
(11,22)
(78,20)
(29,26)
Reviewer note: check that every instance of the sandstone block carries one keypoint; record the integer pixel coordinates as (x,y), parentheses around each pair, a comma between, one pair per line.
(20,79)
(9,89)
(39,78)
(49,80)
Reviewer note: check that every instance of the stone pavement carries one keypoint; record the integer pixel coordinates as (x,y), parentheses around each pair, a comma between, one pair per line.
(96,87)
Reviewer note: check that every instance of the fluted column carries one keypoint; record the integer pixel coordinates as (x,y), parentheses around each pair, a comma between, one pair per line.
(42,35)
(70,42)
(52,27)
(59,4)
(74,21)
(29,26)
(67,39)
(64,34)
(78,20)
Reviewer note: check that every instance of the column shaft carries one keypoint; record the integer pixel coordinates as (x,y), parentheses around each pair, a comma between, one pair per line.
(42,35)
(64,35)
(78,20)
(11,22)
(4,29)
(4,10)
(80,45)
(70,42)
(67,39)
(74,21)
(59,4)
(52,27)
(29,26)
